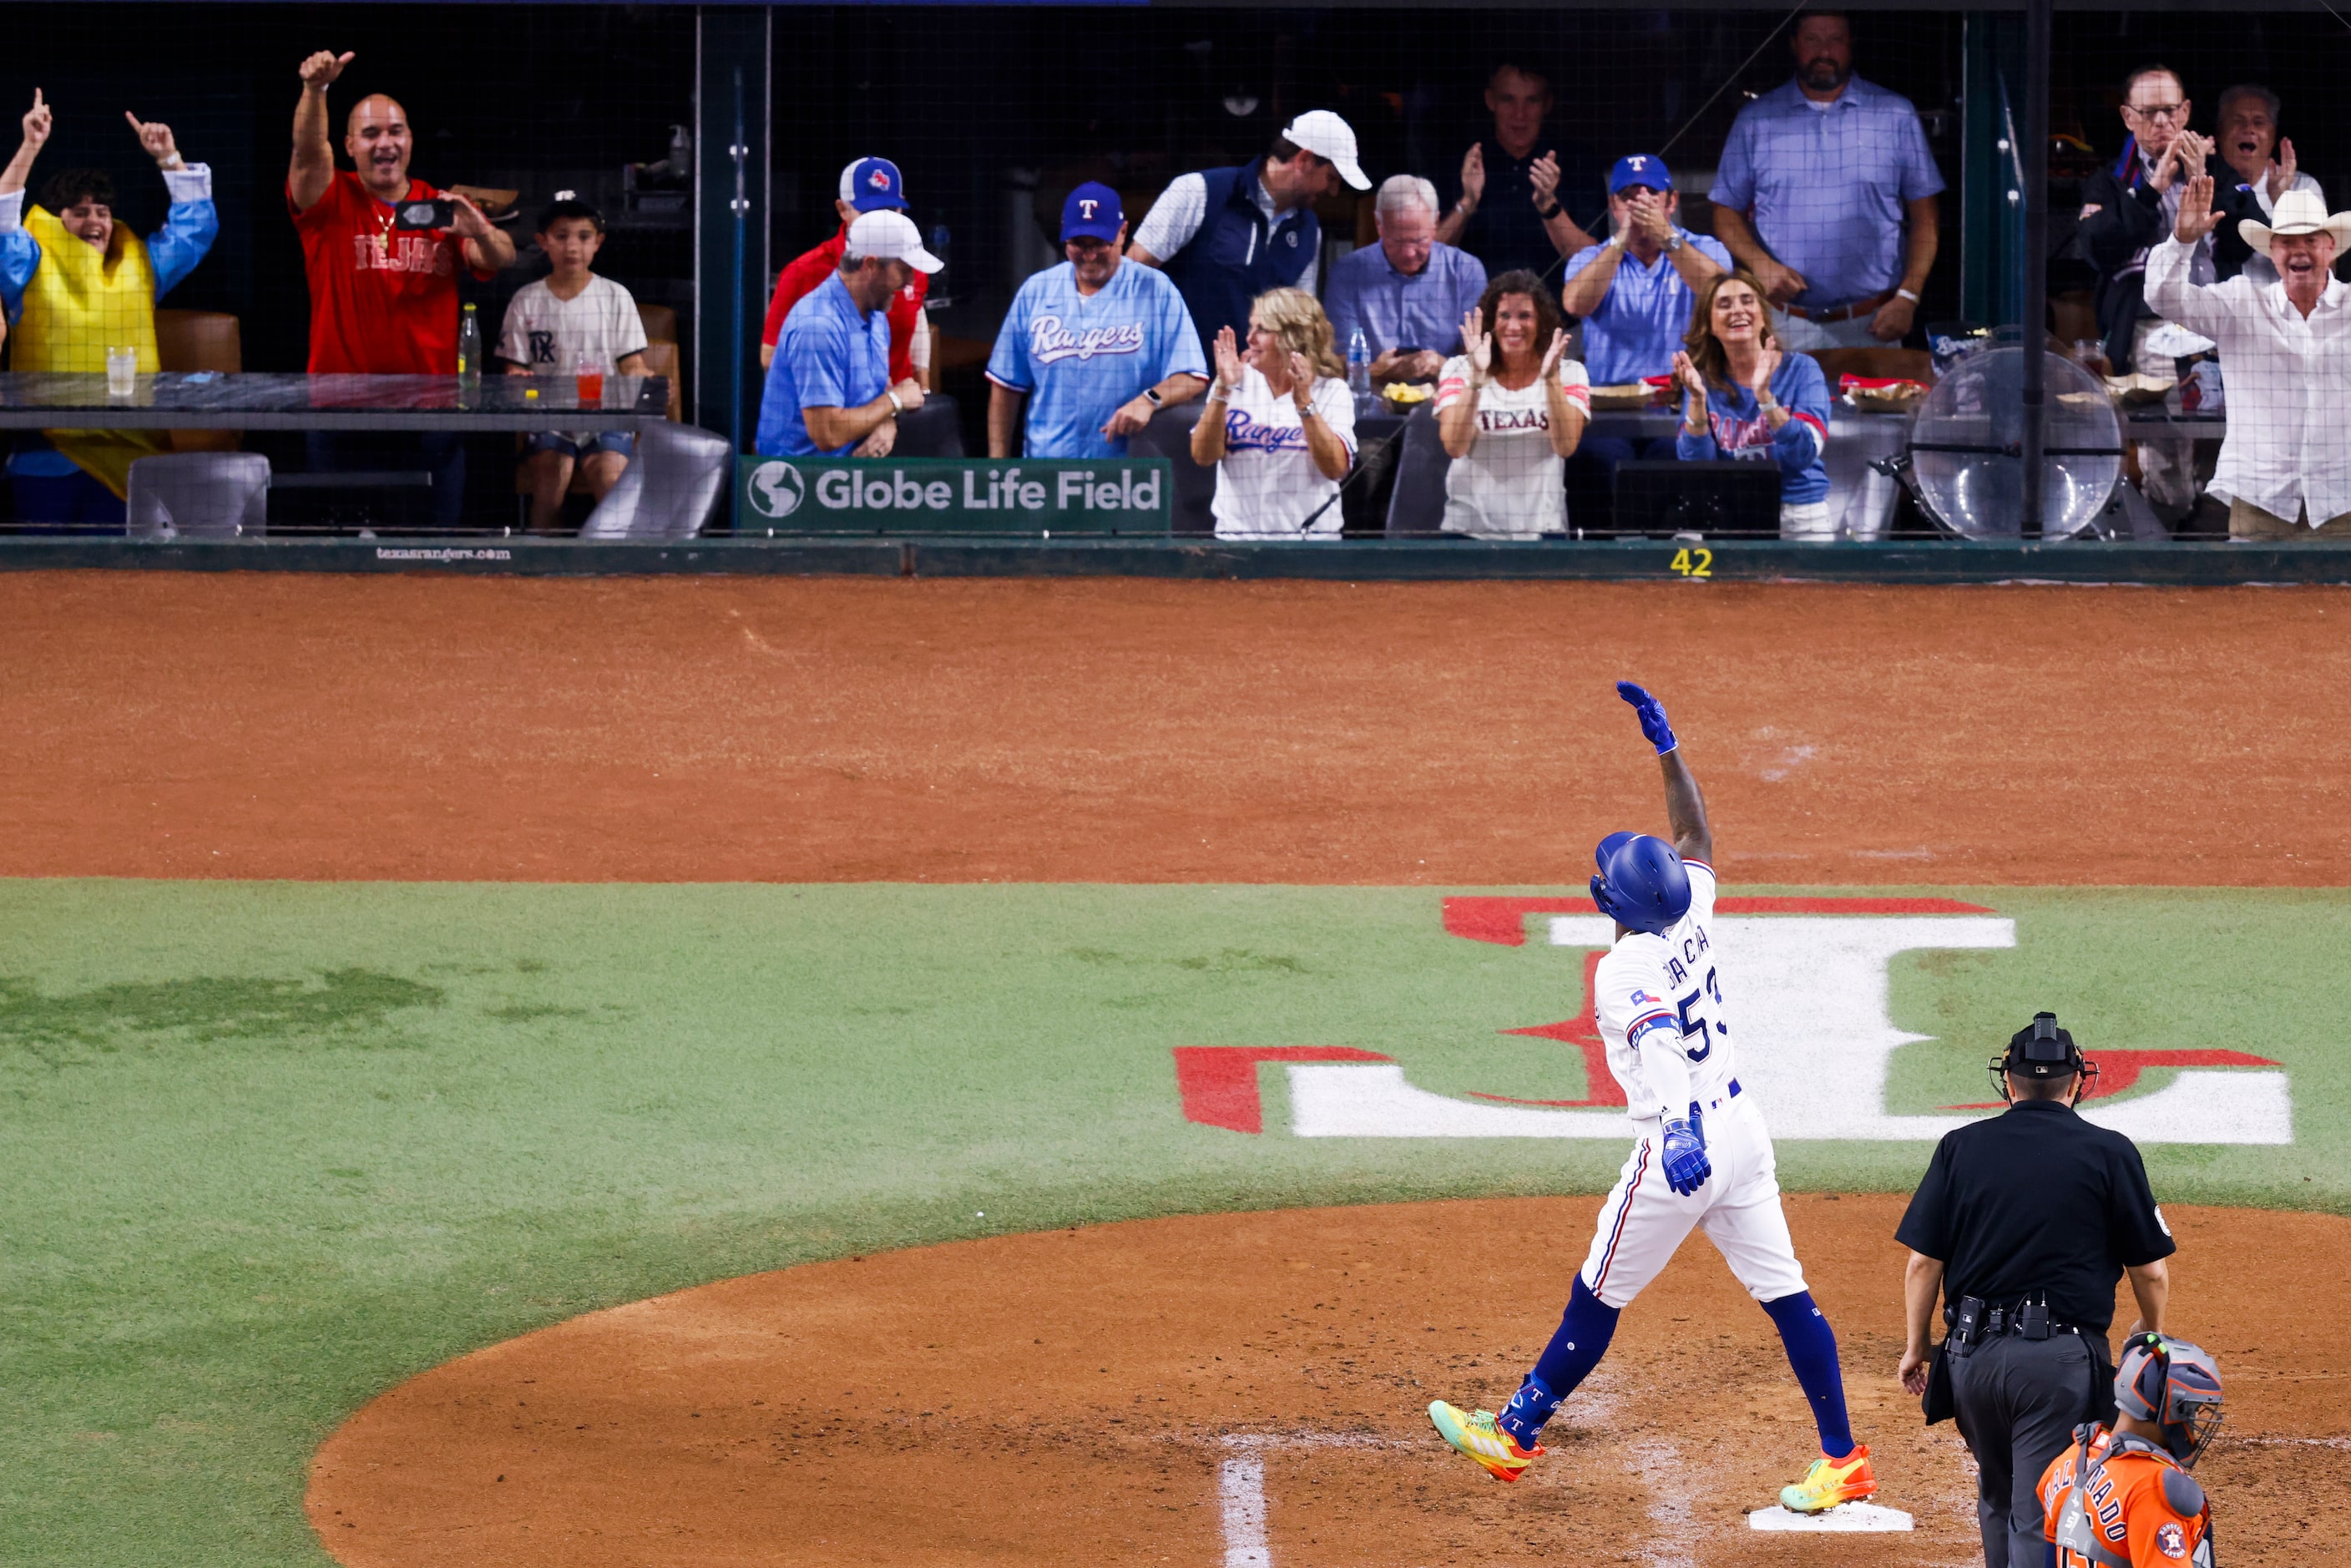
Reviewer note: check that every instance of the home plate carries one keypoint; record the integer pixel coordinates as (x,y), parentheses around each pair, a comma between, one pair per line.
(1845,1516)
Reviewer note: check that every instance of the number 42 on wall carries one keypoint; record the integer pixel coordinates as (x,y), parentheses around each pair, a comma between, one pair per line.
(1694,563)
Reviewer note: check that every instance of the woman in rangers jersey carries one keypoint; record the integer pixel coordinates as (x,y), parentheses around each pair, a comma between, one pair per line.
(1702,1156)
(1743,398)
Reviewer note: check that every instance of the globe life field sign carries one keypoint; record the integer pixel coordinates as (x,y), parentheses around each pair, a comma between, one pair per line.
(952,495)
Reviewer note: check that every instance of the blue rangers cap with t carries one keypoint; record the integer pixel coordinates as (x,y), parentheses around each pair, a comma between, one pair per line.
(1641,882)
(1640,169)
(1091,213)
(873,185)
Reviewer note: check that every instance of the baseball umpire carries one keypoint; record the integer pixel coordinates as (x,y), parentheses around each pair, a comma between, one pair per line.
(2122,1497)
(2023,1223)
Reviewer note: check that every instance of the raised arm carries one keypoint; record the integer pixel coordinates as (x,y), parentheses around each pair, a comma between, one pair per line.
(36,133)
(313,168)
(1685,806)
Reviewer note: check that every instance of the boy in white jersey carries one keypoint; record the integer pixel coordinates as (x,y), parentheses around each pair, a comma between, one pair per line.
(1701,1157)
(569,322)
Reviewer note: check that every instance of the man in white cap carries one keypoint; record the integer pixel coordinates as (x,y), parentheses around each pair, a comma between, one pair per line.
(829,390)
(2285,466)
(1227,235)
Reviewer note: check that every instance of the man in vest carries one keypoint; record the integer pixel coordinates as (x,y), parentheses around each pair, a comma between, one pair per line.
(75,283)
(2122,1498)
(1227,235)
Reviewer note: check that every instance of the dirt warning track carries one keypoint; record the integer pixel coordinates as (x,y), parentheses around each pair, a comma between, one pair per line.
(1129,1393)
(649,729)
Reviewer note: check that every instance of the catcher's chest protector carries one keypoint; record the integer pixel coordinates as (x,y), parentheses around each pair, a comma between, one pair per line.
(2090,1501)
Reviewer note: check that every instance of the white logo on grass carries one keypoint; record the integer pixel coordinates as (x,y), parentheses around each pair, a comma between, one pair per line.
(777,490)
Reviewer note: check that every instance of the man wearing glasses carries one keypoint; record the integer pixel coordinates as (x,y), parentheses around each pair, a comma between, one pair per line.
(2125,211)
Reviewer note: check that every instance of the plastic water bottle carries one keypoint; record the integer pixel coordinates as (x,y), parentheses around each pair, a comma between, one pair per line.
(469,352)
(1359,365)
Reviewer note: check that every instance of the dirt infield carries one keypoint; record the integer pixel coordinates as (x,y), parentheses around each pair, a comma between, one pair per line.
(267,726)
(1061,1398)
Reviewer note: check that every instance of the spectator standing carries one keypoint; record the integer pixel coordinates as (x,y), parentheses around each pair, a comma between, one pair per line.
(383,299)
(1744,397)
(1097,345)
(867,185)
(1508,213)
(1510,411)
(1815,184)
(2246,138)
(828,393)
(1279,424)
(1228,235)
(1406,295)
(76,283)
(2126,210)
(2285,463)
(1636,290)
(568,322)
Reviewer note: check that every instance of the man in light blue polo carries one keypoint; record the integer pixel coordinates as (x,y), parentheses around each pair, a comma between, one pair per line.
(1636,290)
(829,391)
(1815,184)
(1407,294)
(1096,345)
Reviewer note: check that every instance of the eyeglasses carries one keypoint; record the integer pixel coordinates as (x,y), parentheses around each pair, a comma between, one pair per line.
(2155,110)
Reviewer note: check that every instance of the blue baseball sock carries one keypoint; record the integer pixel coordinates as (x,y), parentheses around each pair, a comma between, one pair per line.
(1575,1348)
(1812,1352)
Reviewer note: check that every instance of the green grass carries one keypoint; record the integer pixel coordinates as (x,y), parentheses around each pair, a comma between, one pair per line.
(271,1148)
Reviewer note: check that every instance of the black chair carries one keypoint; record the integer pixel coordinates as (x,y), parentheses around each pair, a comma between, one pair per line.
(930,431)
(1193,489)
(1418,507)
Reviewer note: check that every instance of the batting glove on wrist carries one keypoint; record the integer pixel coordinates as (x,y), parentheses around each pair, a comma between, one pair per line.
(1686,1167)
(1652,715)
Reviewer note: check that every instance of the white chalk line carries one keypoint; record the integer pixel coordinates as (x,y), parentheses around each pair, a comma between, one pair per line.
(1240,1490)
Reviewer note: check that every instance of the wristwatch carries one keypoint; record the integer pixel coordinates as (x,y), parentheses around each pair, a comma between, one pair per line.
(1673,241)
(1151,395)
(895,406)
(1547,217)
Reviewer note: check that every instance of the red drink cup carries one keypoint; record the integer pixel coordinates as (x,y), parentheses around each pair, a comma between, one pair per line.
(590,387)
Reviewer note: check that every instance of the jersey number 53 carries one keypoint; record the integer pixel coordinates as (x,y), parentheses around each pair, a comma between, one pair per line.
(1696,1025)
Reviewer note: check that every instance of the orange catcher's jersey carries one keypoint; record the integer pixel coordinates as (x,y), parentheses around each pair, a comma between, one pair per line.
(2139,1509)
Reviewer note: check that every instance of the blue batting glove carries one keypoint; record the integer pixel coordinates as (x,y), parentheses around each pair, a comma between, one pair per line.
(1652,715)
(1698,1124)
(1686,1167)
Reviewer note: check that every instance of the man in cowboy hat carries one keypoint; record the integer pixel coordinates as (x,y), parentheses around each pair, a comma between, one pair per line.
(2285,466)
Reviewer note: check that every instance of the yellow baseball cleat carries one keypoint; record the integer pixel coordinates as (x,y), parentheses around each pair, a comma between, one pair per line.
(1830,1482)
(1477,1437)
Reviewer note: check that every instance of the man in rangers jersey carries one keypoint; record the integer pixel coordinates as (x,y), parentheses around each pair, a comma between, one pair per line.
(2122,1498)
(1096,346)
(1701,1157)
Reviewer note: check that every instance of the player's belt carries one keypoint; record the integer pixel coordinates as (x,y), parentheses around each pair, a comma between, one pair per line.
(1717,1104)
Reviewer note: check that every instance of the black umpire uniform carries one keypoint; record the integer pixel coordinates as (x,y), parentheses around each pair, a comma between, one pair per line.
(2034,1214)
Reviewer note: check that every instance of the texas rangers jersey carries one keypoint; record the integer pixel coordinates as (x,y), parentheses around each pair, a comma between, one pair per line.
(1660,1004)
(1077,357)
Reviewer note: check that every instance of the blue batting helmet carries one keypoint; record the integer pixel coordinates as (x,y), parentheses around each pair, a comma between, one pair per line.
(1641,882)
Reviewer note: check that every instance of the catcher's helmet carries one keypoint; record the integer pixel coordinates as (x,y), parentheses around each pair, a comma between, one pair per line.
(2174,1384)
(1641,882)
(2041,1050)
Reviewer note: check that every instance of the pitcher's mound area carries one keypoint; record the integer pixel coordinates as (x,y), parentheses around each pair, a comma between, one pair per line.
(1250,1389)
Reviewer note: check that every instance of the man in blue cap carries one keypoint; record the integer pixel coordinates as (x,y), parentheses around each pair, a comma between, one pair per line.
(1096,345)
(1634,290)
(867,185)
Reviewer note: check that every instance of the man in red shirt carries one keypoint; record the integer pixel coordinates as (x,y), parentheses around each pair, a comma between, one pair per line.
(383,299)
(867,185)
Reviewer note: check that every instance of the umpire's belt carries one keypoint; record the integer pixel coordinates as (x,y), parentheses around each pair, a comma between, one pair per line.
(1717,1104)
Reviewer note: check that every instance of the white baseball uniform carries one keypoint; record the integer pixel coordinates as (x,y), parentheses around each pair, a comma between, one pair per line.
(1660,1004)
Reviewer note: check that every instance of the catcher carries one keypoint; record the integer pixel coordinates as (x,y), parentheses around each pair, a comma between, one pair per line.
(2123,1499)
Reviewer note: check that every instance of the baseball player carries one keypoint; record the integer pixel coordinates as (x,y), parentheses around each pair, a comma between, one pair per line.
(2122,1498)
(1701,1155)
(1097,346)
